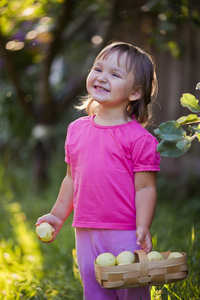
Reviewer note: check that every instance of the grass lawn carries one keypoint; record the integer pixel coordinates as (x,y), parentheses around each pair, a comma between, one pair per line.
(31,269)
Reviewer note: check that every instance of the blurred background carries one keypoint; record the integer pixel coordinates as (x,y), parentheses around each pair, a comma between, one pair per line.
(46,50)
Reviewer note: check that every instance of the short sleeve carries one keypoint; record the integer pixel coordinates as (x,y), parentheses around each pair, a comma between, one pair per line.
(67,154)
(144,154)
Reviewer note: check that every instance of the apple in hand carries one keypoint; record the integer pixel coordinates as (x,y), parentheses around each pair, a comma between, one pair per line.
(154,255)
(175,255)
(125,258)
(45,232)
(106,259)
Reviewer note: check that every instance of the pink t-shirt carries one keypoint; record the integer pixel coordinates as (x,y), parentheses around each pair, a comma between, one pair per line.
(103,161)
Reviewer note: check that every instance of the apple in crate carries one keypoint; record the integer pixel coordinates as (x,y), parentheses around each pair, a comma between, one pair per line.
(154,255)
(125,258)
(45,232)
(106,259)
(175,255)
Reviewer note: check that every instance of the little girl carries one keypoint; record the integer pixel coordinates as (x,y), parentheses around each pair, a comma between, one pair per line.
(111,166)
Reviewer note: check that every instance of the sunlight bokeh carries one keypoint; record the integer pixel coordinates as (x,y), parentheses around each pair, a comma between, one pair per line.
(20,256)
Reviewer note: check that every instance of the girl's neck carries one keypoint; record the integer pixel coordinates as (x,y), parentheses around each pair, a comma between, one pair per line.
(110,117)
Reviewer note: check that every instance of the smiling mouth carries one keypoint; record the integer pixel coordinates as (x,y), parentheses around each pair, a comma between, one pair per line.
(101,88)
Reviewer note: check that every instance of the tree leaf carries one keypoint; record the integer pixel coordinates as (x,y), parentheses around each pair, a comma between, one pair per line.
(169,149)
(189,101)
(184,144)
(194,128)
(170,131)
(198,86)
(188,119)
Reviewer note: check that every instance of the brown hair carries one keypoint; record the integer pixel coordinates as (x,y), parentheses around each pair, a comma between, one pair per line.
(142,65)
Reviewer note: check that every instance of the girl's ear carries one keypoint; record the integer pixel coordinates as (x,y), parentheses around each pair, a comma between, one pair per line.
(136,94)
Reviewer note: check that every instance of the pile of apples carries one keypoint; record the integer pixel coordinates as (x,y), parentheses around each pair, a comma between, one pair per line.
(127,258)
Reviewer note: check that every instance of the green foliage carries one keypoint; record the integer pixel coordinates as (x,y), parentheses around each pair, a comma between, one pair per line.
(190,102)
(21,260)
(47,48)
(176,227)
(30,269)
(43,61)
(170,16)
(176,141)
(14,13)
(20,257)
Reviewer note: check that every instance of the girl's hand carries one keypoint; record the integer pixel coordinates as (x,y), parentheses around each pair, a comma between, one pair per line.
(56,222)
(144,238)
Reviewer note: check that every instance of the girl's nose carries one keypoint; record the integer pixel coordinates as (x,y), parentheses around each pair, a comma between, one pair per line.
(102,77)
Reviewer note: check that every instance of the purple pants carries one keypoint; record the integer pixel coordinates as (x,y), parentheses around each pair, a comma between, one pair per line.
(92,242)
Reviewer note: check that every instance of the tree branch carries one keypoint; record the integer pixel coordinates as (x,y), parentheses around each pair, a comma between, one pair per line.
(52,50)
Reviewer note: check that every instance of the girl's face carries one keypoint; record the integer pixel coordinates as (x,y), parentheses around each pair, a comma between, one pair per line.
(109,83)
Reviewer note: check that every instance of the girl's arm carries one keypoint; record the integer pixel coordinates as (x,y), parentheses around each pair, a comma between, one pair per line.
(63,205)
(145,203)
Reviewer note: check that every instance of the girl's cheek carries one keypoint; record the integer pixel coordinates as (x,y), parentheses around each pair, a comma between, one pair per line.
(87,82)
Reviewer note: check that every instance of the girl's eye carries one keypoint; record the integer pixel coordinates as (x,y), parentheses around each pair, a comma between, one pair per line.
(97,69)
(116,75)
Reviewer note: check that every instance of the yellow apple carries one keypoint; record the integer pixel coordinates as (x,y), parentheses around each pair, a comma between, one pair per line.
(175,255)
(106,259)
(45,232)
(125,258)
(154,255)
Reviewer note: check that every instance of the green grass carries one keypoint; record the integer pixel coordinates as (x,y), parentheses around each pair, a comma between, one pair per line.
(30,269)
(176,227)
